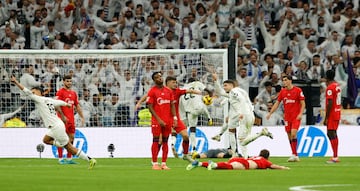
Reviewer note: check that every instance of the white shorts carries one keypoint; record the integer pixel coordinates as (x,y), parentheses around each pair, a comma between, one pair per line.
(59,134)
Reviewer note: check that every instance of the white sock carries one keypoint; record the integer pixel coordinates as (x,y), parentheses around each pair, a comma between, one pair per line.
(192,139)
(173,140)
(82,155)
(232,141)
(250,138)
(244,151)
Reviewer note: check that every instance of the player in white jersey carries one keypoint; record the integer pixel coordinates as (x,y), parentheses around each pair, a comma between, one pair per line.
(241,114)
(5,116)
(191,106)
(56,134)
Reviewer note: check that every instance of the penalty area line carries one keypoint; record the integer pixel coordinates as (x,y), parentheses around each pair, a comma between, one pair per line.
(312,187)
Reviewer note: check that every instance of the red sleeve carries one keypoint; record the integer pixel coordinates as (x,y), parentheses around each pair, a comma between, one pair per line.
(301,94)
(281,95)
(76,101)
(150,97)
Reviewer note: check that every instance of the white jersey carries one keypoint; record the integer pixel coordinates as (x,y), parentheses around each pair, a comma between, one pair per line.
(239,101)
(46,108)
(193,102)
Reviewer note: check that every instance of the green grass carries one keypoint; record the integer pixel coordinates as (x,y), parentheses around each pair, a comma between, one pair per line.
(136,174)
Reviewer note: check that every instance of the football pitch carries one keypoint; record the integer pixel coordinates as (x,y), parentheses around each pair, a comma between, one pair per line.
(135,174)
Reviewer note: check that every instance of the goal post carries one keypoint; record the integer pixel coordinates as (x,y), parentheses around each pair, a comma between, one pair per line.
(100,77)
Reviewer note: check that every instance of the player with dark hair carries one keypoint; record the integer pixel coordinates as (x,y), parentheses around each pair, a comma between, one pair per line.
(171,83)
(333,112)
(67,114)
(241,114)
(161,104)
(56,134)
(294,105)
(239,163)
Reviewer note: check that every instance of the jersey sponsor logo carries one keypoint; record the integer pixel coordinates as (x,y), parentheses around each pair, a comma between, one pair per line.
(202,143)
(312,142)
(80,142)
(162,101)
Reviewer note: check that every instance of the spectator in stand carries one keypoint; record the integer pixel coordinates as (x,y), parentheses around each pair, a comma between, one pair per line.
(28,81)
(273,38)
(92,40)
(168,42)
(99,23)
(36,30)
(254,73)
(262,110)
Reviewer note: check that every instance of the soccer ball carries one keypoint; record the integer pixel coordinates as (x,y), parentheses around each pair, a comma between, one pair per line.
(207,100)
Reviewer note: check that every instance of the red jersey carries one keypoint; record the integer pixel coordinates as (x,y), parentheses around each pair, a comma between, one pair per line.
(333,92)
(261,162)
(291,100)
(69,96)
(177,93)
(161,99)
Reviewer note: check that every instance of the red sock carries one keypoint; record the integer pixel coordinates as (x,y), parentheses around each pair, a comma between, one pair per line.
(155,148)
(205,164)
(224,165)
(293,144)
(185,145)
(334,145)
(69,155)
(165,151)
(60,152)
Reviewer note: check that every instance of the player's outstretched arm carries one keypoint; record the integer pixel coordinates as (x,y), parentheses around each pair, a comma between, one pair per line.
(13,80)
(279,167)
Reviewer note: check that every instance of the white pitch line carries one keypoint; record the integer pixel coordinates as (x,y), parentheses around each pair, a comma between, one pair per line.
(308,187)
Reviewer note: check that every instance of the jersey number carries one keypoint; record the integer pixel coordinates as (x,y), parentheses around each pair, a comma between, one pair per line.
(51,108)
(189,96)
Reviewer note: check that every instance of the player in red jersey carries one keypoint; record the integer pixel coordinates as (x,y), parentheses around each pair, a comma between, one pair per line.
(239,163)
(161,104)
(171,83)
(294,104)
(67,114)
(333,112)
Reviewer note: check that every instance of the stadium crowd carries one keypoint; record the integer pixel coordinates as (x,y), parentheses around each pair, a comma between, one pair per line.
(274,37)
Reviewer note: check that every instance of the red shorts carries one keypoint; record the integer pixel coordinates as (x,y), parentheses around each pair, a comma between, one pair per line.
(295,124)
(156,130)
(70,128)
(181,126)
(241,161)
(332,125)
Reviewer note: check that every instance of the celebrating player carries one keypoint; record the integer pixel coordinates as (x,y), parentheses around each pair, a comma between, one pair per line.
(191,106)
(333,112)
(239,163)
(241,113)
(294,105)
(161,104)
(67,114)
(56,134)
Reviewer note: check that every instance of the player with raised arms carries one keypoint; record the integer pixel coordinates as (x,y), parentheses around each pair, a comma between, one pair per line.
(56,134)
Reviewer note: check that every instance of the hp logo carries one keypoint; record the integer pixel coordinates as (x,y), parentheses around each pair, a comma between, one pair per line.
(202,143)
(80,142)
(311,142)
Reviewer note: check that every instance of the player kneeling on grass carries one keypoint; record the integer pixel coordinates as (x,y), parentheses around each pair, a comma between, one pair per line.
(239,163)
(56,134)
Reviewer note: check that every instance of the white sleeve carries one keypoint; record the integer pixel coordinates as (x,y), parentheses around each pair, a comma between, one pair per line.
(219,90)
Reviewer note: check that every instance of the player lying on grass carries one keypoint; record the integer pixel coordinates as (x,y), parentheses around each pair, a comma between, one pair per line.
(213,153)
(238,163)
(56,134)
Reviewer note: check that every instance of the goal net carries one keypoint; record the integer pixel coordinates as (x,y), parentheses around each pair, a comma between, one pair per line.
(108,82)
